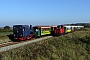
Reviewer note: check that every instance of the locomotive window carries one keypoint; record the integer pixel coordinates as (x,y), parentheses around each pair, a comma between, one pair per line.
(59,26)
(37,30)
(20,28)
(24,29)
(15,28)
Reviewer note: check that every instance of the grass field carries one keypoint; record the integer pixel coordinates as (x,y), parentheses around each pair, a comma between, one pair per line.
(6,33)
(4,36)
(72,46)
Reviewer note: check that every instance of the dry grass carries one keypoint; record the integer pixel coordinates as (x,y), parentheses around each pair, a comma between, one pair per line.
(4,38)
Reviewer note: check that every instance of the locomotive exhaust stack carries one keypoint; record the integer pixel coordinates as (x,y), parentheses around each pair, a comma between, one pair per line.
(30,26)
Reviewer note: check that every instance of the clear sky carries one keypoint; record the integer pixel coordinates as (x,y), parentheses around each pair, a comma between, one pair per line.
(43,12)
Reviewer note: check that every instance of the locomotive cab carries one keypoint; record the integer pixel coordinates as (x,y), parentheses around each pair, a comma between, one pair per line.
(59,30)
(37,31)
(22,32)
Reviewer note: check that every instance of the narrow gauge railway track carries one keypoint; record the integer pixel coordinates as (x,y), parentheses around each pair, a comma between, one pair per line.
(8,44)
(12,45)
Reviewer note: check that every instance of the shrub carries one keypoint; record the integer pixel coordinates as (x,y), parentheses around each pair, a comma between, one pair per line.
(6,27)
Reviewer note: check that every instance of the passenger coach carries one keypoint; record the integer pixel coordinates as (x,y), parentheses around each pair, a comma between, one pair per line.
(42,30)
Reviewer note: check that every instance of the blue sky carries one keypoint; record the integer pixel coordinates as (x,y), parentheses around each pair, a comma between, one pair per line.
(43,12)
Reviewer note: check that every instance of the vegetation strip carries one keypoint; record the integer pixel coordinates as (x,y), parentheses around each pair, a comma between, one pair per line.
(22,44)
(72,46)
(66,47)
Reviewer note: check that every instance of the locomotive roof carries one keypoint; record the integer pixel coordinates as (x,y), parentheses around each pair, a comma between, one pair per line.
(53,26)
(20,25)
(41,27)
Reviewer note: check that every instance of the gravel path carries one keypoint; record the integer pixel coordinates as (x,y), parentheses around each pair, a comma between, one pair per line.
(22,44)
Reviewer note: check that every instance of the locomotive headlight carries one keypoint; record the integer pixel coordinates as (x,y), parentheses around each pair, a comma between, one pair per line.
(14,35)
(21,35)
(17,31)
(14,27)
